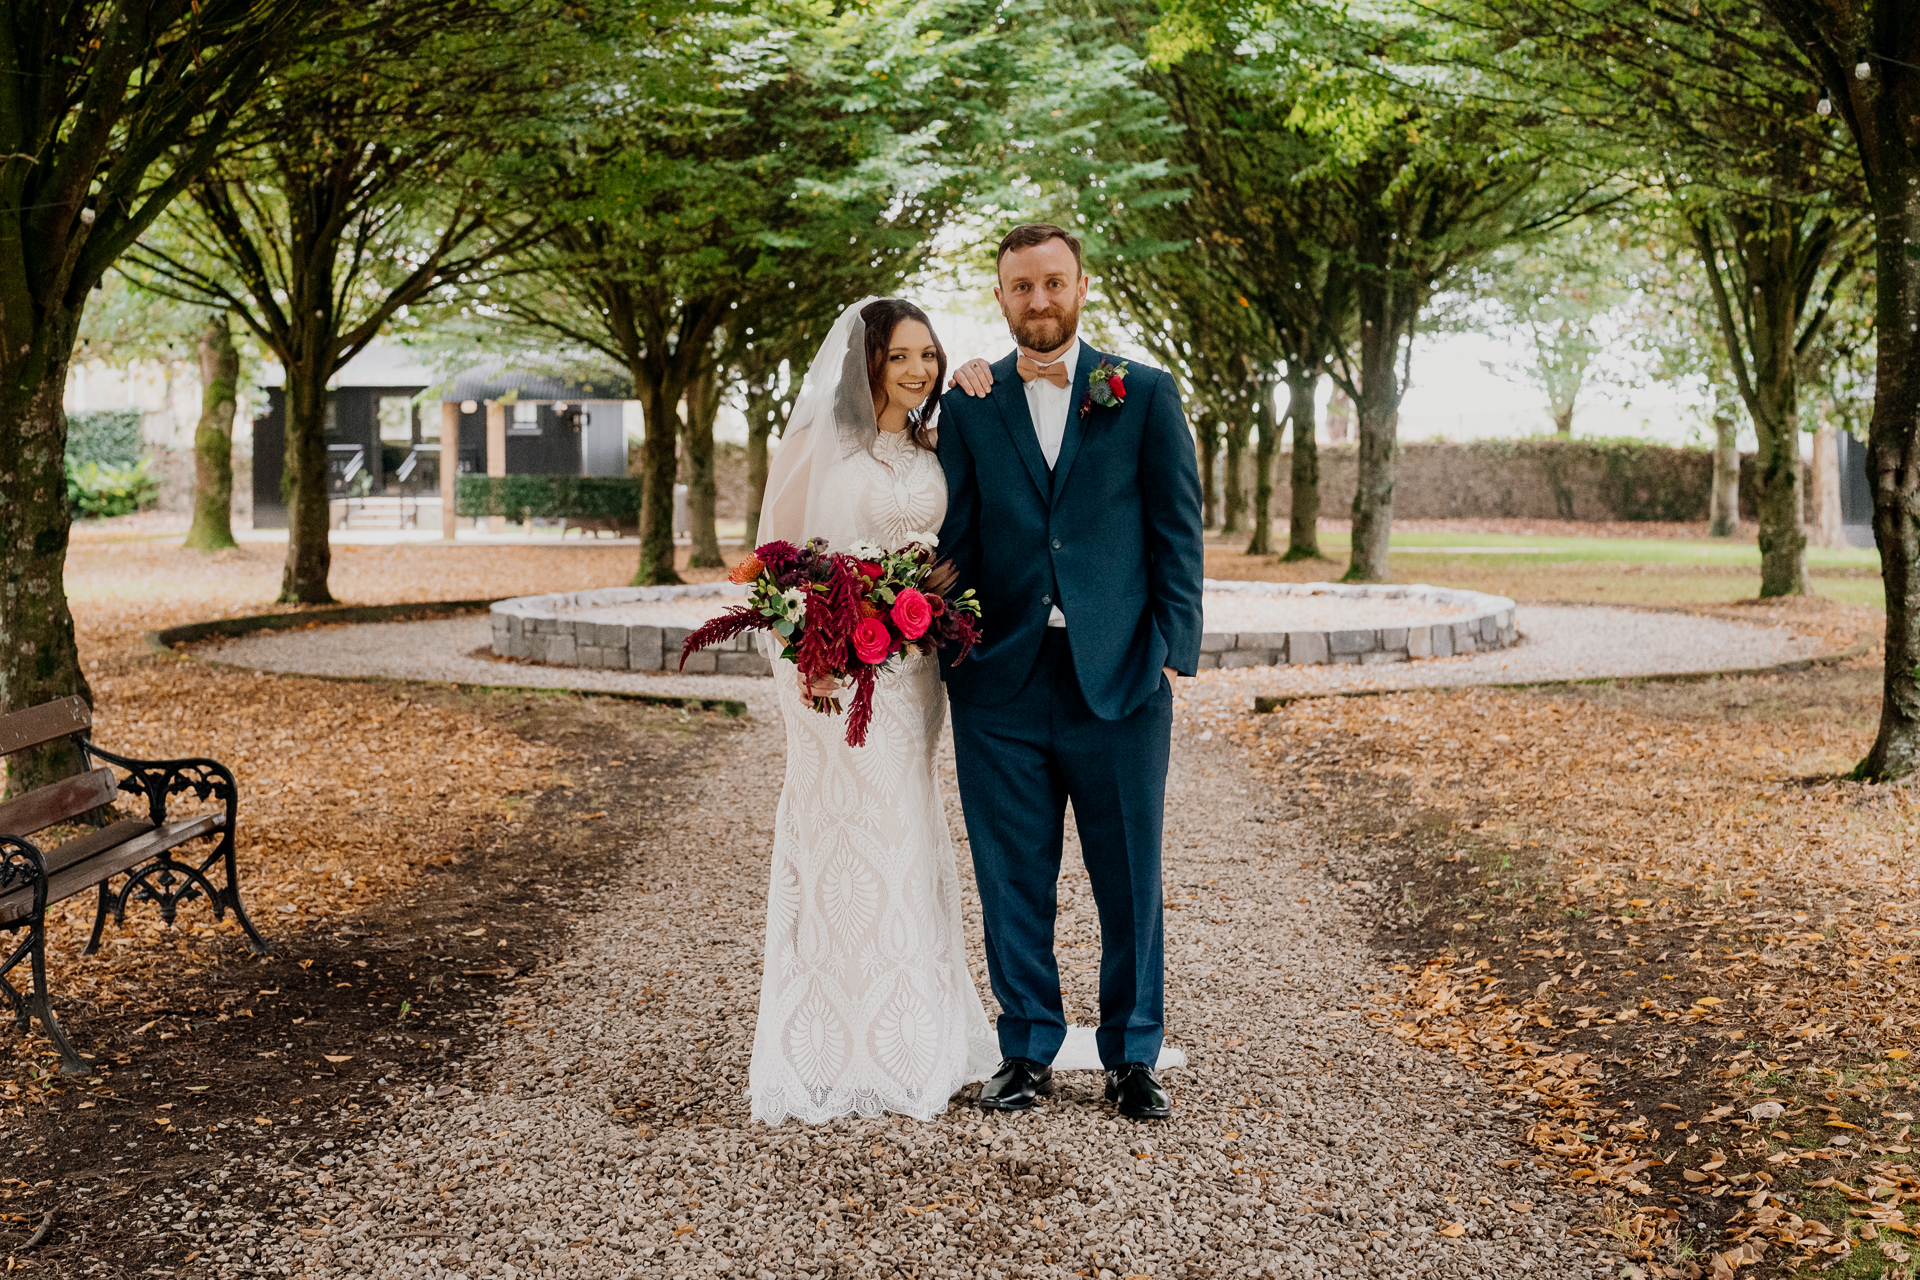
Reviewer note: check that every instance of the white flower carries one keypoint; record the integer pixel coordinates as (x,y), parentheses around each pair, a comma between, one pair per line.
(926,539)
(862,550)
(796,599)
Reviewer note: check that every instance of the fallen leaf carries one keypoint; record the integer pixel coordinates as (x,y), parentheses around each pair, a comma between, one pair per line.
(337,1057)
(1454,1230)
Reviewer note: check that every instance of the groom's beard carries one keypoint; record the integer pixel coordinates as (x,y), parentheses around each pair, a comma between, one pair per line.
(1048,330)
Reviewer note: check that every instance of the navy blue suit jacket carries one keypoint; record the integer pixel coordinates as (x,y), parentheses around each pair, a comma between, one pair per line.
(1113,536)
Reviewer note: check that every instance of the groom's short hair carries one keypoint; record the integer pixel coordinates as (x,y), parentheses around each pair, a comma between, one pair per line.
(1029,234)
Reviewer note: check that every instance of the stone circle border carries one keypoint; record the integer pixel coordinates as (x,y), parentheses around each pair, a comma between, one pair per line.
(533,628)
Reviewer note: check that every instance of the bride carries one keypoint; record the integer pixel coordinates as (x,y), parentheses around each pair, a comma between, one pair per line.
(866,1005)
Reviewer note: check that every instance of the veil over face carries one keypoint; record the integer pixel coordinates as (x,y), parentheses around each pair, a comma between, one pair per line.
(832,420)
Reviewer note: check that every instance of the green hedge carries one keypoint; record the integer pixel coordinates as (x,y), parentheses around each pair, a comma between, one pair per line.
(107,438)
(551,497)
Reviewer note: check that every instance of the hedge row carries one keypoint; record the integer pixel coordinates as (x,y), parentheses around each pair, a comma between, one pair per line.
(551,497)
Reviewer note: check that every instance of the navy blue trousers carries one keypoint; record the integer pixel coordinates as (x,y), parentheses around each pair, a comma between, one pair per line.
(1020,764)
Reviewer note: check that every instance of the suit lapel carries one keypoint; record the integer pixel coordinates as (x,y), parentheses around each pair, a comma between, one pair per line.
(1076,425)
(1010,396)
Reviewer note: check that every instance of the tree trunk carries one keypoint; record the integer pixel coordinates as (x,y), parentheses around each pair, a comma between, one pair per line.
(657,474)
(763,412)
(1303,526)
(1266,444)
(1783,535)
(703,405)
(1563,420)
(1339,416)
(1377,410)
(1233,489)
(1724,502)
(309,556)
(1824,487)
(1893,458)
(39,658)
(212,527)
(1206,446)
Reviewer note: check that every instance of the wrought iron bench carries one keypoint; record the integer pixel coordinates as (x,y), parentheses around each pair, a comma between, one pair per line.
(142,849)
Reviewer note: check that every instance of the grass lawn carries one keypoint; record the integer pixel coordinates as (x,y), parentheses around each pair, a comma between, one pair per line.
(1655,571)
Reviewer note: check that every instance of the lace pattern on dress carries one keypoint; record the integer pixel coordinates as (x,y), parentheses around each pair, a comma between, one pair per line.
(866,1004)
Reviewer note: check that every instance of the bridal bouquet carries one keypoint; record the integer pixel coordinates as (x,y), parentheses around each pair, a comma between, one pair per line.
(846,615)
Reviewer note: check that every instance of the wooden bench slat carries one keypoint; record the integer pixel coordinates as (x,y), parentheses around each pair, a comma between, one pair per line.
(89,871)
(42,724)
(57,802)
(82,847)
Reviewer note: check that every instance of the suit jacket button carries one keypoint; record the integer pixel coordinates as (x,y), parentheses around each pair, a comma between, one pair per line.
(1056,544)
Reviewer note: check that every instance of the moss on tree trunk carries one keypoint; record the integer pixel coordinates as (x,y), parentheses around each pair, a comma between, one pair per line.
(212,527)
(39,657)
(1303,520)
(703,405)
(657,470)
(304,484)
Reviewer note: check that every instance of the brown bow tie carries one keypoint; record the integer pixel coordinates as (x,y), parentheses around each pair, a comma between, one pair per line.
(1056,373)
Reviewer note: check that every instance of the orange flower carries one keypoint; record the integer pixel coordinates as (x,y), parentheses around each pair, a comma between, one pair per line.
(747,570)
(868,609)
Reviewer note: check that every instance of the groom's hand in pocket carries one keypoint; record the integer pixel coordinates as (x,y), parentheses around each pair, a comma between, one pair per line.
(975,377)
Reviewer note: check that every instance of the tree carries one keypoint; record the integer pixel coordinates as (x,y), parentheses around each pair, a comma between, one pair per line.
(1709,112)
(108,111)
(1559,295)
(1867,57)
(212,527)
(378,172)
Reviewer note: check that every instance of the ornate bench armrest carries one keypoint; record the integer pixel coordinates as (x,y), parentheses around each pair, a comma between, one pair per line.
(157,780)
(21,865)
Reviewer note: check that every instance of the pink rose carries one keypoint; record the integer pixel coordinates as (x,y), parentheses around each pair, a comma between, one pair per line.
(911,613)
(872,641)
(1118,386)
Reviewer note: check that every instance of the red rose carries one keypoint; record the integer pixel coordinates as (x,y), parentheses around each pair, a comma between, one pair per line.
(872,571)
(1118,386)
(872,641)
(911,613)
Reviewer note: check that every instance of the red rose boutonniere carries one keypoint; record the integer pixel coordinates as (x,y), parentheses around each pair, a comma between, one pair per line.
(1106,386)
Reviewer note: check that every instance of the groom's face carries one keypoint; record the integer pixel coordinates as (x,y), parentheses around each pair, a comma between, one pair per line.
(1040,292)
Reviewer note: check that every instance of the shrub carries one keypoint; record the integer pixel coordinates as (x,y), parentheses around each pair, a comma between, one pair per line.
(94,490)
(550,497)
(108,438)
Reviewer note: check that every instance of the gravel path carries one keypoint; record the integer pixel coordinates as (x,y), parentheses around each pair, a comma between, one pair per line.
(604,1132)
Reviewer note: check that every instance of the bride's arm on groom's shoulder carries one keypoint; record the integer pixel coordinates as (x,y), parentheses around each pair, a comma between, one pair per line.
(1170,483)
(975,377)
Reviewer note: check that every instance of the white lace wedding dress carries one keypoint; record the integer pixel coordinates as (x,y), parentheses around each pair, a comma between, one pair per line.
(866,1005)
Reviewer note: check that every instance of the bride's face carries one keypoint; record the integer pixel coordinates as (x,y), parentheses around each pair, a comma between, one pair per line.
(912,365)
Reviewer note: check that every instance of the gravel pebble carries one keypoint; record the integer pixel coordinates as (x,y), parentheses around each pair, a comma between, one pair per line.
(606,1134)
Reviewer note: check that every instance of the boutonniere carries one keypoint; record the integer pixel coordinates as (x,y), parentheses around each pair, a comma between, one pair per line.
(1106,386)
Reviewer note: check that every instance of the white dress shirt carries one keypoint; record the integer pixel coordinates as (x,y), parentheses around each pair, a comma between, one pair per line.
(1048,406)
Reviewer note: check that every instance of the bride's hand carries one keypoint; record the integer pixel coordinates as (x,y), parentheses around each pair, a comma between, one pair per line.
(824,688)
(975,377)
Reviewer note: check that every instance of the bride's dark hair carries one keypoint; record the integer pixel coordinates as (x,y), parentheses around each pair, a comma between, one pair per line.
(881,319)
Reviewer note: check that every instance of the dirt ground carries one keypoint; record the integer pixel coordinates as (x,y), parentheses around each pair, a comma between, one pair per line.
(219,1051)
(1645,910)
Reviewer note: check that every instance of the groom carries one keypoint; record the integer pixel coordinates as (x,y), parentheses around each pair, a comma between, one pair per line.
(1074,510)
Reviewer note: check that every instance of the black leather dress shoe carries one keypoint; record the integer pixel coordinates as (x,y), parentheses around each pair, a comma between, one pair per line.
(1015,1085)
(1138,1096)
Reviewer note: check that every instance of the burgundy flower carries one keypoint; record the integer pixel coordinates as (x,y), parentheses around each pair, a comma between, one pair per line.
(1118,386)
